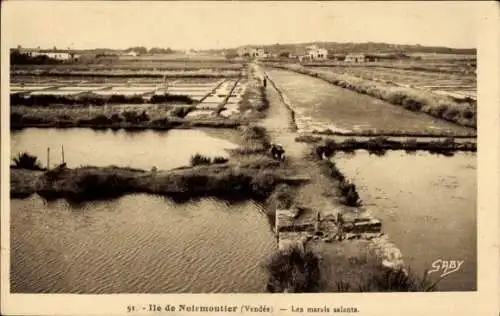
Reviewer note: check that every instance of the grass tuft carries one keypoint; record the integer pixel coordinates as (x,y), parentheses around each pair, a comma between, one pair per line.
(293,271)
(390,280)
(220,159)
(199,159)
(26,161)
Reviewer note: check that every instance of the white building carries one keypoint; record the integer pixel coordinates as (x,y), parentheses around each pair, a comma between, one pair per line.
(314,52)
(133,53)
(64,56)
(258,52)
(252,52)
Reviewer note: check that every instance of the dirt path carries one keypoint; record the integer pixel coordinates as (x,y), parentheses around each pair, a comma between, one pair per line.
(277,123)
(315,195)
(349,261)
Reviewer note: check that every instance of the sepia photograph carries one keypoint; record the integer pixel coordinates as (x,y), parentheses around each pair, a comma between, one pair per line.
(240,147)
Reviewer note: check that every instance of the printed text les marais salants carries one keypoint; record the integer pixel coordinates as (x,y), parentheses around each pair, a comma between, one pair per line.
(239,309)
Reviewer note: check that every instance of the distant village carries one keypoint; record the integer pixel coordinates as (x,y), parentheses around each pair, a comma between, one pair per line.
(312,53)
(69,55)
(303,54)
(72,55)
(57,54)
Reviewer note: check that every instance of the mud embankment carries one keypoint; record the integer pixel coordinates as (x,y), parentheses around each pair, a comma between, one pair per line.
(284,99)
(350,260)
(100,122)
(381,144)
(127,74)
(97,100)
(436,134)
(228,181)
(304,221)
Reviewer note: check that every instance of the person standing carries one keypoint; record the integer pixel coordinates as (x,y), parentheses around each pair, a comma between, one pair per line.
(265,82)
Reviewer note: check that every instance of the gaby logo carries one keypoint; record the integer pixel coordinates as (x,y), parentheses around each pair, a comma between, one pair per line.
(446,266)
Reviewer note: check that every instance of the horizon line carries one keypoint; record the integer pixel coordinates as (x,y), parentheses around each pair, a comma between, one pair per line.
(244,45)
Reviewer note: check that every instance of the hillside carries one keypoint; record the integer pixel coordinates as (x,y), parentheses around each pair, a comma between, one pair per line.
(369,47)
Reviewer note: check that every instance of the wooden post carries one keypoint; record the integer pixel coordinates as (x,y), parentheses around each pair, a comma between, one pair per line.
(62,152)
(316,224)
(48,158)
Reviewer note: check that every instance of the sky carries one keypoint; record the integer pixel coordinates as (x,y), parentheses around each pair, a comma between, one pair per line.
(205,25)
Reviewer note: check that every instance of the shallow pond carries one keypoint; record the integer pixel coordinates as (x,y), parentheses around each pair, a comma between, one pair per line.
(138,244)
(321,105)
(136,149)
(427,205)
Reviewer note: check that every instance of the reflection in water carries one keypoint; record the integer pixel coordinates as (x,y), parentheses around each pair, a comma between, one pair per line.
(138,149)
(427,205)
(138,244)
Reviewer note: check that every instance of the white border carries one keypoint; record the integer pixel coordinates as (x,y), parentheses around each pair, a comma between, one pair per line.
(482,302)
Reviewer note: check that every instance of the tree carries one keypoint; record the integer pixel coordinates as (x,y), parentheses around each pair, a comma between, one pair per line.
(160,50)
